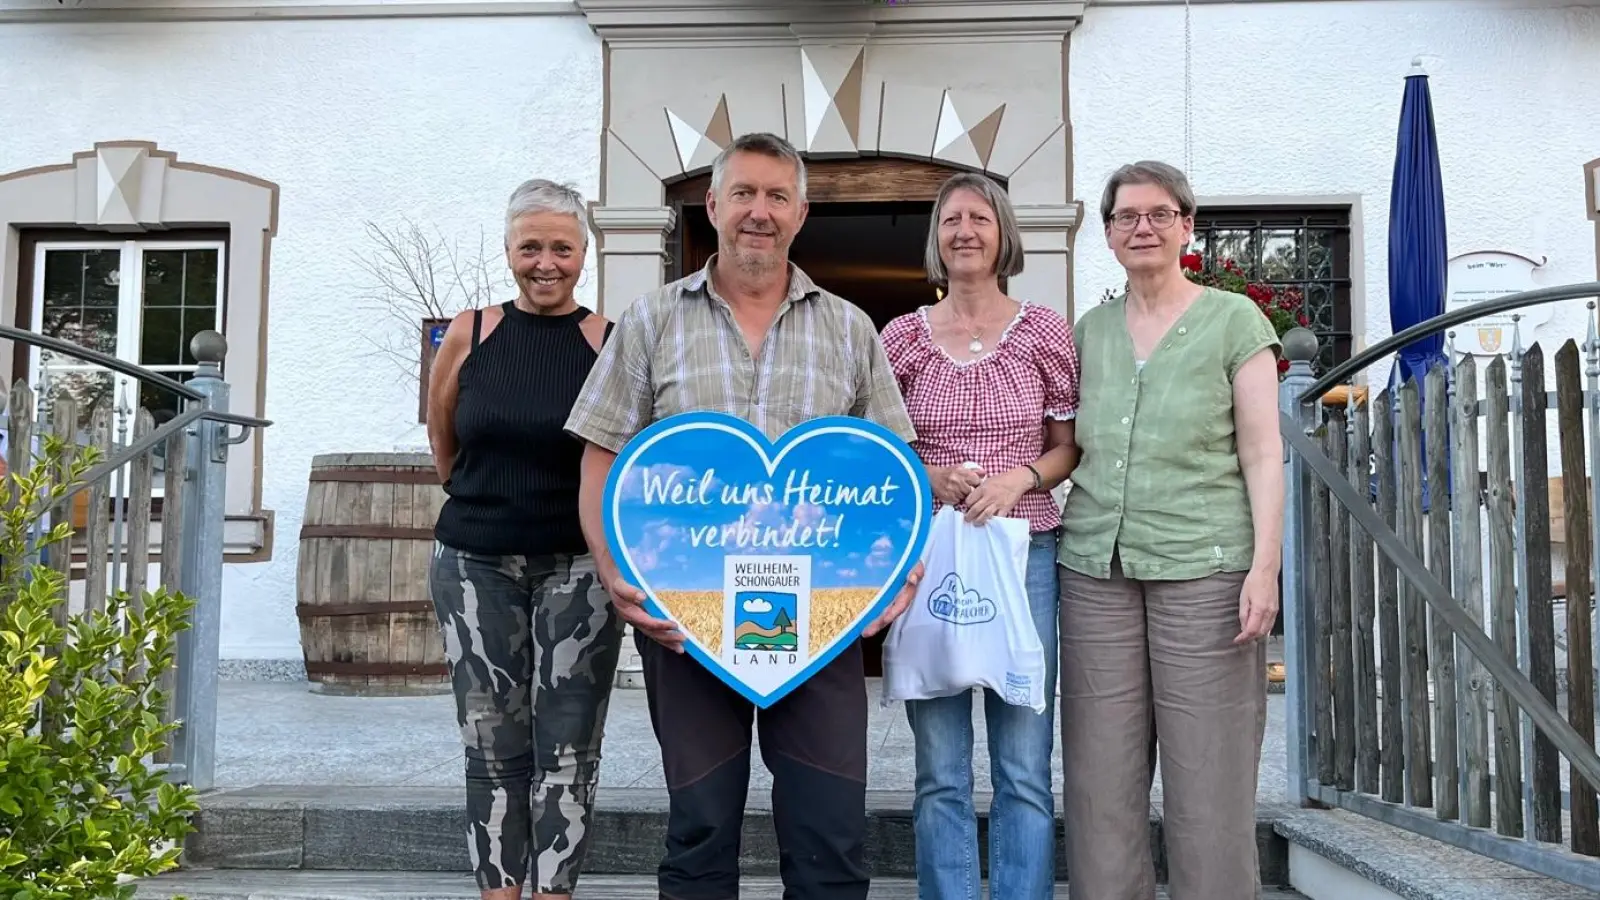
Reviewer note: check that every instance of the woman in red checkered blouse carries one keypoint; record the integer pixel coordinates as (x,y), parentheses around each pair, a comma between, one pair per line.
(992,386)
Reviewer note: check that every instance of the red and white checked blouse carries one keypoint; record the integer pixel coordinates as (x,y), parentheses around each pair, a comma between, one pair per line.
(990,410)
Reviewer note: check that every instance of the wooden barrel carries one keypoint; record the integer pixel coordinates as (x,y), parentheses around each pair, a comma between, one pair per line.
(367,625)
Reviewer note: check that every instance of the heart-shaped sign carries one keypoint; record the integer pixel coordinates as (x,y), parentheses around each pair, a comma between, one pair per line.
(770,557)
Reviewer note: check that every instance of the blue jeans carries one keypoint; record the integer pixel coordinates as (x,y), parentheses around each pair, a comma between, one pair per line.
(1022,818)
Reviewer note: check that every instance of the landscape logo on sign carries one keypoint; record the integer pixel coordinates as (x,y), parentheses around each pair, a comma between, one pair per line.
(766,621)
(770,556)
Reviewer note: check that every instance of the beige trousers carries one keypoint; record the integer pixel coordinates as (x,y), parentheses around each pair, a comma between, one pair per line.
(1153,664)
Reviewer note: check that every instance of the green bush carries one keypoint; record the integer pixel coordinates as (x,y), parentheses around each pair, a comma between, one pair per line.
(81,710)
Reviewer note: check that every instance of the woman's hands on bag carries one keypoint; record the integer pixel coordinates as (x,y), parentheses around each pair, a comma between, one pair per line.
(953,484)
(998,496)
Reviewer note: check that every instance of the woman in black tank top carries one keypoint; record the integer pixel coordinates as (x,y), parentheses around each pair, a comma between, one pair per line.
(530,634)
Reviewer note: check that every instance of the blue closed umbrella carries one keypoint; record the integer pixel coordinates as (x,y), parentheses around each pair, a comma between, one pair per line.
(1418,258)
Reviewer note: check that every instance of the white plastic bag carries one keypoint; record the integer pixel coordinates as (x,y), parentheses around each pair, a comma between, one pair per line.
(969,625)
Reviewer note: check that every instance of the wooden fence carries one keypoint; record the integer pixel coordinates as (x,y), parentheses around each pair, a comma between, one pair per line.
(1401,720)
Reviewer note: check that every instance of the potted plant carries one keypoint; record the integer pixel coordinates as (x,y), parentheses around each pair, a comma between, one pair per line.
(1283,306)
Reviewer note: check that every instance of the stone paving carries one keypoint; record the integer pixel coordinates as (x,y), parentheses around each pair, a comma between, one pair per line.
(288,733)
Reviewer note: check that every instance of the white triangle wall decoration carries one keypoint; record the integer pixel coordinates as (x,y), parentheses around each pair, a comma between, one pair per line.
(685,136)
(950,126)
(818,98)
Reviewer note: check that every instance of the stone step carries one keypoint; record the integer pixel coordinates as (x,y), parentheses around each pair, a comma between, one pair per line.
(236,885)
(1340,854)
(405,828)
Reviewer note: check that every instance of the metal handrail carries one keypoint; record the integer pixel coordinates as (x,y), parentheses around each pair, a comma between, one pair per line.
(132,370)
(142,445)
(135,449)
(1439,323)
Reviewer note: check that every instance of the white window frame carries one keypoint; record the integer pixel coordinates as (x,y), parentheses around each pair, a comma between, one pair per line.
(130,319)
(130,304)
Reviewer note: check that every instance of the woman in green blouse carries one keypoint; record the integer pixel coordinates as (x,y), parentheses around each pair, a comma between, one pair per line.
(1170,551)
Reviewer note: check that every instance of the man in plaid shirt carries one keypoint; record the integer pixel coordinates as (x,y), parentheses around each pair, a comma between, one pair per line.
(750,335)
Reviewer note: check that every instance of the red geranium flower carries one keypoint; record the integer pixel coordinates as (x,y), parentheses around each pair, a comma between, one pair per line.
(1191,262)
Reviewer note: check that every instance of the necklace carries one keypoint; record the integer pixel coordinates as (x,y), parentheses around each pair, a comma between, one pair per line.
(975,345)
(974,332)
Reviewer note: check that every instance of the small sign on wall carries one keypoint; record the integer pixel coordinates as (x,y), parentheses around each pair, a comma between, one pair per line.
(432,336)
(1486,275)
(1594,189)
(1591,179)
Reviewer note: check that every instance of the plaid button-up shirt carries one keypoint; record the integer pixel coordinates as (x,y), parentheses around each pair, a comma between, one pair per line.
(678,349)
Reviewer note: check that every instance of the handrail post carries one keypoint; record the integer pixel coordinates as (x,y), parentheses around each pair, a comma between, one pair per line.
(204,504)
(1299,348)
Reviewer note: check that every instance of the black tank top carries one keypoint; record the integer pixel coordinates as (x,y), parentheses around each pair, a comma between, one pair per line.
(513,488)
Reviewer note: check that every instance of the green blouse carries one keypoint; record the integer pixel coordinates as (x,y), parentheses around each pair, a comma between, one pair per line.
(1159,482)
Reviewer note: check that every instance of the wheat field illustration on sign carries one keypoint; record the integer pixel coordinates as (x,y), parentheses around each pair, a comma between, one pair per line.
(770,556)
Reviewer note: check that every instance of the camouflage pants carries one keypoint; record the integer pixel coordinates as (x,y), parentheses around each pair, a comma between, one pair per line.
(533,645)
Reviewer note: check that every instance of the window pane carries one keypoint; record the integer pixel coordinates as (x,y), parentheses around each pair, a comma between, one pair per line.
(1288,248)
(200,279)
(195,321)
(180,300)
(1319,307)
(162,403)
(80,299)
(161,337)
(87,388)
(1319,254)
(1237,245)
(1280,255)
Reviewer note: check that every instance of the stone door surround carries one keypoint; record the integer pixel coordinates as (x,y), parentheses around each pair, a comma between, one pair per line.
(132,187)
(979,86)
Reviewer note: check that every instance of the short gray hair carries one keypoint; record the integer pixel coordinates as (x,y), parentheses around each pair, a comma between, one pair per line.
(1167,177)
(1008,261)
(539,195)
(767,145)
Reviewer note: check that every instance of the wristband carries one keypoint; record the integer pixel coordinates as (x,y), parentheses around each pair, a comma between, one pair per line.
(1037,481)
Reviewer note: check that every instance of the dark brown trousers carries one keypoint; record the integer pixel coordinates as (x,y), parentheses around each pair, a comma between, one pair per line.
(814,742)
(1147,664)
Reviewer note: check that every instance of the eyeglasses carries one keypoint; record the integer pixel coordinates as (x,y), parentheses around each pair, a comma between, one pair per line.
(1161,218)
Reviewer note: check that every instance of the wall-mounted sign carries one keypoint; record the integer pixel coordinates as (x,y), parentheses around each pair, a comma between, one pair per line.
(1593,169)
(432,336)
(1592,187)
(1486,275)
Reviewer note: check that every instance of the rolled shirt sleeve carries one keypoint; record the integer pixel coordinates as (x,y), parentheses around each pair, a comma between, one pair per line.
(878,397)
(618,397)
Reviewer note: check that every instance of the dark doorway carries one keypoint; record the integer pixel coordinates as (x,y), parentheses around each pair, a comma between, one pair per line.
(868,253)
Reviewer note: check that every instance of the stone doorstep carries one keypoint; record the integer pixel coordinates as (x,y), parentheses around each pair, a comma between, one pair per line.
(235,885)
(421,829)
(1410,865)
